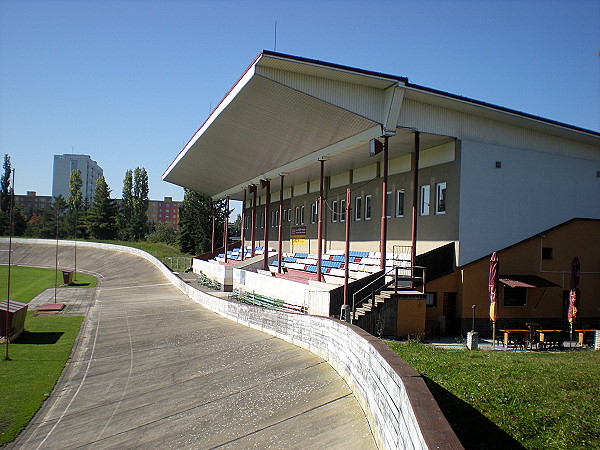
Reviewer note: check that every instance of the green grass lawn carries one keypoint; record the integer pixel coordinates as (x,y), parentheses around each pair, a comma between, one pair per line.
(159,250)
(38,357)
(28,282)
(512,399)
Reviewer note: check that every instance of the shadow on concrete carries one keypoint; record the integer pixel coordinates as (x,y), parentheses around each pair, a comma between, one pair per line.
(78,284)
(473,429)
(42,338)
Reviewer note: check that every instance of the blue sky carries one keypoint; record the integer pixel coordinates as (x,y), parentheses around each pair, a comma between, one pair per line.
(128,82)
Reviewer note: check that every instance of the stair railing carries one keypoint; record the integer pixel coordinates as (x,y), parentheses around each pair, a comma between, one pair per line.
(371,285)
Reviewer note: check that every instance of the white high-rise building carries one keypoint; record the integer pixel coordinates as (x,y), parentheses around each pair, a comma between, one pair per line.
(65,164)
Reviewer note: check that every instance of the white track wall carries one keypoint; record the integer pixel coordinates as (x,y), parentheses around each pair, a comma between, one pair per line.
(396,401)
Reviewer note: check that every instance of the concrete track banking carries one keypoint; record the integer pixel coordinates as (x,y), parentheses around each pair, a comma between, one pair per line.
(153,369)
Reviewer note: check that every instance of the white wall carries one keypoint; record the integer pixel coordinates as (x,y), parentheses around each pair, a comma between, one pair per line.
(530,193)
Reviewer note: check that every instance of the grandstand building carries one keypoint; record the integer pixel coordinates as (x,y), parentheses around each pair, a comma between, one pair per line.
(434,179)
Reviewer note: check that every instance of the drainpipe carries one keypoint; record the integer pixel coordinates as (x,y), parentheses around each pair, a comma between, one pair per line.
(243,229)
(266,184)
(415,200)
(383,239)
(252,188)
(320,225)
(226,227)
(280,225)
(346,307)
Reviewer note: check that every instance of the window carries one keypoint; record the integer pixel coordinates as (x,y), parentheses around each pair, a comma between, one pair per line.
(388,205)
(334,211)
(289,215)
(262,219)
(425,200)
(342,210)
(284,219)
(297,216)
(547,253)
(431,298)
(400,203)
(314,212)
(358,208)
(302,215)
(367,207)
(440,198)
(516,296)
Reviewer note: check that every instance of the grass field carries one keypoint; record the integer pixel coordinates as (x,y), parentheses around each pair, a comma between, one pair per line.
(38,357)
(28,282)
(513,399)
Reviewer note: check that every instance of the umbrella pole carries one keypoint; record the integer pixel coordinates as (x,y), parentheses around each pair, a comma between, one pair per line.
(571,334)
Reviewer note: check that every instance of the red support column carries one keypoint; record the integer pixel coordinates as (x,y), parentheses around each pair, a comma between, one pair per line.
(346,307)
(212,248)
(243,230)
(280,225)
(226,227)
(266,184)
(253,231)
(383,236)
(320,224)
(415,202)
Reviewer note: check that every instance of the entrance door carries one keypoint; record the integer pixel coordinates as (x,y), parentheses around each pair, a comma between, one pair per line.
(449,311)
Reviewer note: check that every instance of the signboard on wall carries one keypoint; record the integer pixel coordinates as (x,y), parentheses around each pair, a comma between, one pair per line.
(298,235)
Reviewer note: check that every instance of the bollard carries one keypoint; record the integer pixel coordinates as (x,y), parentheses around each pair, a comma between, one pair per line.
(472,340)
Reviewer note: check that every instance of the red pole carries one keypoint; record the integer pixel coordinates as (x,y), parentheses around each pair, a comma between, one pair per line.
(347,257)
(415,201)
(226,227)
(266,184)
(253,233)
(243,230)
(383,238)
(320,225)
(280,225)
(213,237)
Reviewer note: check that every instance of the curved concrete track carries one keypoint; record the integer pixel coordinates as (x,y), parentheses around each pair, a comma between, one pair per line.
(153,369)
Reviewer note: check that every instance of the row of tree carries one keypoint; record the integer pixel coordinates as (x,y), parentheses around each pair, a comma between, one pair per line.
(106,218)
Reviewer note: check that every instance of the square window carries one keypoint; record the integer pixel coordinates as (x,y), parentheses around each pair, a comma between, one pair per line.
(400,203)
(440,198)
(516,296)
(431,298)
(546,252)
(358,208)
(425,194)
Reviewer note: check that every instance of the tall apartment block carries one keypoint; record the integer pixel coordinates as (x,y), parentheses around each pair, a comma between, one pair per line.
(65,164)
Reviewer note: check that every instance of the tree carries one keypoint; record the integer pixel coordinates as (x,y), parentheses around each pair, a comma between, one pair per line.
(100,219)
(195,222)
(75,203)
(139,223)
(126,208)
(133,222)
(5,185)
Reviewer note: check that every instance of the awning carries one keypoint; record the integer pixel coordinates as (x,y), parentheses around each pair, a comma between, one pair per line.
(526,281)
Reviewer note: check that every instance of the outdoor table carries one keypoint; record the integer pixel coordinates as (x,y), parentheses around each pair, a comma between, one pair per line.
(581,336)
(543,333)
(507,334)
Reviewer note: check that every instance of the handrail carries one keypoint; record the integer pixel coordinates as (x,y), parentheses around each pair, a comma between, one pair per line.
(364,287)
(395,270)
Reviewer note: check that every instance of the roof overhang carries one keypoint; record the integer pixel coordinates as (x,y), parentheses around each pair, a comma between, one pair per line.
(526,281)
(283,115)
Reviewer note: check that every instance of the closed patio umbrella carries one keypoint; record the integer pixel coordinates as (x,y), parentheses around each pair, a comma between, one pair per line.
(493,292)
(574,286)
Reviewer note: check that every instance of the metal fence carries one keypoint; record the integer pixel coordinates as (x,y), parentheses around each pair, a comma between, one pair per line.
(177,263)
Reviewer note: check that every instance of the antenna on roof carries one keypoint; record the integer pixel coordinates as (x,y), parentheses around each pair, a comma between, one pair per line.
(275,47)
